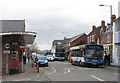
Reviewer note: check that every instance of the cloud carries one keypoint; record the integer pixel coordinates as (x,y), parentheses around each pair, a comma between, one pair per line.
(49,18)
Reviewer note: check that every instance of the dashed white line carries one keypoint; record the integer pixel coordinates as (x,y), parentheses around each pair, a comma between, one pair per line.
(97,78)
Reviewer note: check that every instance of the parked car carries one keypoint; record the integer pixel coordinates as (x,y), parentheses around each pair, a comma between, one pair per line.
(42,61)
(50,57)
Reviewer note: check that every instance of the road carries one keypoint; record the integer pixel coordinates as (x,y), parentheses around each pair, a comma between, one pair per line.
(64,71)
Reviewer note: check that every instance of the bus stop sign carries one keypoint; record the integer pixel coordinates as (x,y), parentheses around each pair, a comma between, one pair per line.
(22,47)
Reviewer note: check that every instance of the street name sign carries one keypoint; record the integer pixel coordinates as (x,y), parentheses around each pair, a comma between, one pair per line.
(6,51)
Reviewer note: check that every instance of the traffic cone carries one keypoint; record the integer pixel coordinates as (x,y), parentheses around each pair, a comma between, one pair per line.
(37,68)
(33,64)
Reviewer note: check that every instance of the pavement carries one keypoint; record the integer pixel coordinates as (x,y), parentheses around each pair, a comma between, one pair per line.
(113,67)
(28,71)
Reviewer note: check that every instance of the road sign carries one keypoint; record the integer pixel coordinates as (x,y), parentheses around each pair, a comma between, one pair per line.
(7,46)
(6,51)
(22,47)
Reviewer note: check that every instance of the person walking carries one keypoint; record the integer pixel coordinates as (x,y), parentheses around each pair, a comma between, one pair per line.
(106,61)
(24,58)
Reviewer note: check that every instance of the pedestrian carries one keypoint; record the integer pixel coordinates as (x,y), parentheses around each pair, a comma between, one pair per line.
(28,58)
(106,61)
(24,58)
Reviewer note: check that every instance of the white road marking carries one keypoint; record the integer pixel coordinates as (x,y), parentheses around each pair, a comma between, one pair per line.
(54,70)
(68,70)
(65,72)
(116,73)
(97,78)
(37,75)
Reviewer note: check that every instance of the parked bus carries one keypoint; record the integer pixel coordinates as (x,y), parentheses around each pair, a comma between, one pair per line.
(58,52)
(87,55)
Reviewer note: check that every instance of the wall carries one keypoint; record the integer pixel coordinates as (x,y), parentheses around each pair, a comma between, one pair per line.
(81,38)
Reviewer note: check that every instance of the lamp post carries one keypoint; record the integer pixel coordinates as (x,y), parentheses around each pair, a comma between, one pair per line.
(67,44)
(111,25)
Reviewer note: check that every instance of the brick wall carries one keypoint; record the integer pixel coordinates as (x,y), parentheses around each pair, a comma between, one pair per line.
(81,38)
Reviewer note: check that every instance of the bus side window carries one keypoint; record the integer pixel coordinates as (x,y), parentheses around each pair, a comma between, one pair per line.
(83,53)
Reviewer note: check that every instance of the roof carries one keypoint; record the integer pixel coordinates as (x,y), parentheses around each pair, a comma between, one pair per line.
(55,42)
(27,36)
(93,31)
(75,37)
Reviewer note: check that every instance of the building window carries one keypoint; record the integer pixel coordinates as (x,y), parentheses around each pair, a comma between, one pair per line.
(92,38)
(88,39)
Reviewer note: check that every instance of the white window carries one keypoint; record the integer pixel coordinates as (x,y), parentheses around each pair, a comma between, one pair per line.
(92,38)
(88,39)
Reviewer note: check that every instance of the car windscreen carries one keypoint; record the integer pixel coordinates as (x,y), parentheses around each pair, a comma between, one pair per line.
(49,56)
(42,58)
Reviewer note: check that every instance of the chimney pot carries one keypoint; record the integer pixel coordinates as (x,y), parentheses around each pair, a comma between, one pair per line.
(93,27)
(103,23)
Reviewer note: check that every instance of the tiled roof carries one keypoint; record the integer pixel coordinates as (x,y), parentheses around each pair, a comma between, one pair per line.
(75,37)
(93,31)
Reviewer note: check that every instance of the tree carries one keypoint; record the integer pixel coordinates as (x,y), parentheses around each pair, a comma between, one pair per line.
(80,43)
(92,43)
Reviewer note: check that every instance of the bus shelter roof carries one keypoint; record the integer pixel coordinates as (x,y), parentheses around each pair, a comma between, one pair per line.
(28,37)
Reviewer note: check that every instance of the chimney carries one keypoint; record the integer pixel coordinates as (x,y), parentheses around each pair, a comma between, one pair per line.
(103,23)
(93,27)
(113,18)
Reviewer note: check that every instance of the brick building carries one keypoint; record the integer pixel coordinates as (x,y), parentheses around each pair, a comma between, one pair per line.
(94,36)
(11,40)
(74,41)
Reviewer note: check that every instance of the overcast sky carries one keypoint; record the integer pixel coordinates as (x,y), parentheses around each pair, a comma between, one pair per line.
(49,18)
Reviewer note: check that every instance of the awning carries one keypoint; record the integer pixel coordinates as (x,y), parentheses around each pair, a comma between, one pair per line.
(28,37)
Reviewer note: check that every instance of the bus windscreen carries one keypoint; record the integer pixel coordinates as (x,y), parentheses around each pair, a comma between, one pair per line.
(94,53)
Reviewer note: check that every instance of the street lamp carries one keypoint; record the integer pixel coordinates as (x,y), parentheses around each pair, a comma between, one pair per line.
(110,23)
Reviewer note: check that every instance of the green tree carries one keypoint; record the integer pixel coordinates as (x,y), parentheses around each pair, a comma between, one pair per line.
(80,43)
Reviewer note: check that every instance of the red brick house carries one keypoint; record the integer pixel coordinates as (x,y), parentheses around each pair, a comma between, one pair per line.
(74,41)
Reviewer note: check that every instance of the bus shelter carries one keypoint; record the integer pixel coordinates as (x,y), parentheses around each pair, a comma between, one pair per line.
(11,53)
